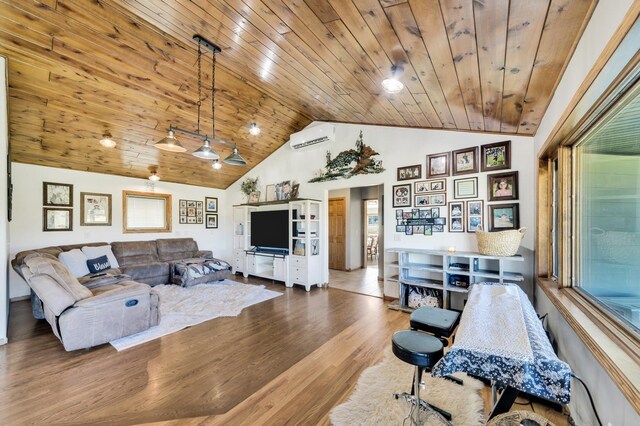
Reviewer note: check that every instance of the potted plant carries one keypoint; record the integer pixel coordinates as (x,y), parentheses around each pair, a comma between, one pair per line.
(249,186)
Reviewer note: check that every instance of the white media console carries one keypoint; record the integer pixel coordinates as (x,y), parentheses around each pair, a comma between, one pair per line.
(300,263)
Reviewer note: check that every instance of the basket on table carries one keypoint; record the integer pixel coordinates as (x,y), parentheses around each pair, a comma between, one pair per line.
(501,243)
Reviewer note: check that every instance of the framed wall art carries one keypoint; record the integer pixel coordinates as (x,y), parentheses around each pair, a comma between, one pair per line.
(465,188)
(191,212)
(496,156)
(211,204)
(431,200)
(503,217)
(456,216)
(502,186)
(57,194)
(410,172)
(438,165)
(212,221)
(95,209)
(428,186)
(57,219)
(475,215)
(402,195)
(465,161)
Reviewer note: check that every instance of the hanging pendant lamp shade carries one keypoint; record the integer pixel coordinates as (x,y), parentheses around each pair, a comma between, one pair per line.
(170,143)
(235,159)
(205,152)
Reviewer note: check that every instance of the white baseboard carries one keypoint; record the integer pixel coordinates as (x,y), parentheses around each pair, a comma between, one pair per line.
(3,340)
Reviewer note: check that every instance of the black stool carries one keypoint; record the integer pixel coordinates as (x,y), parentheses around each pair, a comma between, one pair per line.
(422,351)
(439,322)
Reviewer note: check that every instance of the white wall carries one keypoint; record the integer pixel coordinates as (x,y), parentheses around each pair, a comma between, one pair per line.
(355,230)
(26,226)
(4,234)
(397,147)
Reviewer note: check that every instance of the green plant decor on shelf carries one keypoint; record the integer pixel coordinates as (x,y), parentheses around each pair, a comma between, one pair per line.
(248,186)
(343,167)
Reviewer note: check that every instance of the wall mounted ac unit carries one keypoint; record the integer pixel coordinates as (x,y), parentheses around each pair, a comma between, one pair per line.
(313,136)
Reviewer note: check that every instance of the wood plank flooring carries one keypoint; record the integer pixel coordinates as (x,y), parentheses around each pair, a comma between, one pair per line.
(288,360)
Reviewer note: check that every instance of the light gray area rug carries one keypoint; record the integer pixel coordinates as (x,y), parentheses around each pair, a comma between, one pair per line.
(184,307)
(372,401)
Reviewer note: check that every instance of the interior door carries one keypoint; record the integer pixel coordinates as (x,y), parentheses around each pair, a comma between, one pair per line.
(337,233)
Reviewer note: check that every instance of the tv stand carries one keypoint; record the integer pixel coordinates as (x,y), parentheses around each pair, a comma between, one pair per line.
(269,251)
(270,264)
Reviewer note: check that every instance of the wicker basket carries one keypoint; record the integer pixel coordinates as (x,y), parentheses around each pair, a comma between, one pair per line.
(502,243)
(515,418)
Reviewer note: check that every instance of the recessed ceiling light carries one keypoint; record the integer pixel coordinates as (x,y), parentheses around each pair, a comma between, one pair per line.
(216,165)
(254,129)
(106,140)
(154,177)
(392,84)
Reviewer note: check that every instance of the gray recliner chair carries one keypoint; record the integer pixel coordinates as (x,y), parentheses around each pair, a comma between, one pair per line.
(81,317)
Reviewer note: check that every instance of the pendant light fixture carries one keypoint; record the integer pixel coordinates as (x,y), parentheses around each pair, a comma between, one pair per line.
(392,85)
(205,152)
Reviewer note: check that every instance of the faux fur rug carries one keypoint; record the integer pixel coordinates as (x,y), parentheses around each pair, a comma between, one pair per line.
(184,307)
(372,402)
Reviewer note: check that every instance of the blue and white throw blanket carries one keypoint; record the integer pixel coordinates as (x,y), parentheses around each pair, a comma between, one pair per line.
(500,338)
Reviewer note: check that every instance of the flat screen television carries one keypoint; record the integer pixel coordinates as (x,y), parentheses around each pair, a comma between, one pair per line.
(270,229)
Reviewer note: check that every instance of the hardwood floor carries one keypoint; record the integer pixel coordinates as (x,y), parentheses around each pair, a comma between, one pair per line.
(361,281)
(288,360)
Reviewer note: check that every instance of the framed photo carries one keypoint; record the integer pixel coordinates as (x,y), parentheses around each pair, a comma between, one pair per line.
(212,221)
(496,156)
(431,200)
(502,186)
(271,193)
(465,161)
(254,197)
(410,172)
(456,216)
(57,219)
(283,190)
(95,209)
(475,212)
(438,165)
(427,186)
(57,194)
(211,204)
(192,212)
(402,195)
(465,188)
(503,217)
(435,212)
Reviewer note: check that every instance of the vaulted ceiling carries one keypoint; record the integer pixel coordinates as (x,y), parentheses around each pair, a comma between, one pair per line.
(78,68)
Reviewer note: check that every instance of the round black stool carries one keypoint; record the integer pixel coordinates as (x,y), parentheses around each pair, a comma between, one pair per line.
(422,351)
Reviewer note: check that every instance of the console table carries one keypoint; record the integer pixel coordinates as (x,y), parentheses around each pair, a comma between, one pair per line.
(500,338)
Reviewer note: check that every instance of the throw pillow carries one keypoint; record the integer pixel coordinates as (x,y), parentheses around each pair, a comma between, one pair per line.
(98,264)
(75,261)
(93,252)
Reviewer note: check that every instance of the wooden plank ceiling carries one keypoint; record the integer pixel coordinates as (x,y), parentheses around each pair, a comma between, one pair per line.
(78,68)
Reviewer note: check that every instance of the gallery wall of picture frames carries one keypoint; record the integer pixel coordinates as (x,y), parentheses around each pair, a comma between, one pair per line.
(418,202)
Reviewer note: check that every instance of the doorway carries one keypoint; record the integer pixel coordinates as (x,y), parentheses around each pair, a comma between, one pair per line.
(356,239)
(337,233)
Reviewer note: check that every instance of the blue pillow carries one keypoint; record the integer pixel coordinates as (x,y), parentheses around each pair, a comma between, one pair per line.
(98,264)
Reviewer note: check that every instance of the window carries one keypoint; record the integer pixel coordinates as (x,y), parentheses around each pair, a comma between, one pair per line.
(606,165)
(146,212)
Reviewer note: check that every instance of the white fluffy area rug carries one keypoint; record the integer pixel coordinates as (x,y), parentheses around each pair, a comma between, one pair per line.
(372,402)
(184,307)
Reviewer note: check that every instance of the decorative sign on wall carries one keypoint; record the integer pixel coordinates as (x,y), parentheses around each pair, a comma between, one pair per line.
(349,163)
(191,212)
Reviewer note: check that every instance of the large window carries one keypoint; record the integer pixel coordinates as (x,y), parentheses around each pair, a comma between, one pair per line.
(607,211)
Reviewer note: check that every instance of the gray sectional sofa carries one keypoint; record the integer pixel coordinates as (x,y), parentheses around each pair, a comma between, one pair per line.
(96,308)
